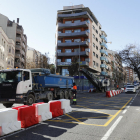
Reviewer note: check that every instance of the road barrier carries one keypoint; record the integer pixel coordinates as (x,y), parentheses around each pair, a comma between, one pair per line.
(8,121)
(16,118)
(113,93)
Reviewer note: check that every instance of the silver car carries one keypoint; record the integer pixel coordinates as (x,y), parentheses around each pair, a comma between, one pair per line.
(130,88)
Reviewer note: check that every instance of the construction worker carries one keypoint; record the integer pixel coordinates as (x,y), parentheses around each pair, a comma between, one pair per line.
(74,93)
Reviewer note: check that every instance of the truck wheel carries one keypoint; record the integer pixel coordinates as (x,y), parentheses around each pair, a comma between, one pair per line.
(61,95)
(8,104)
(50,96)
(70,94)
(30,99)
(66,93)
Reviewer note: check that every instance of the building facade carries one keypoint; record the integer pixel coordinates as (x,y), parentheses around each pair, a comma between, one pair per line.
(15,32)
(79,34)
(129,74)
(7,51)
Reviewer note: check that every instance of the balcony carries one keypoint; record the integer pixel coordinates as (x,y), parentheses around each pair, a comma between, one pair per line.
(104,73)
(103,37)
(22,52)
(103,58)
(18,39)
(82,63)
(18,47)
(17,55)
(84,43)
(86,53)
(23,45)
(103,51)
(104,66)
(78,24)
(17,64)
(20,31)
(104,44)
(22,60)
(83,33)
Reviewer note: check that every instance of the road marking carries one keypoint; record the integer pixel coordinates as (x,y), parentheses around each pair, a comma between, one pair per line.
(110,120)
(128,106)
(124,111)
(108,133)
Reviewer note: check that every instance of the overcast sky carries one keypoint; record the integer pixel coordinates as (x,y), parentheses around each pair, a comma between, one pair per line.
(120,19)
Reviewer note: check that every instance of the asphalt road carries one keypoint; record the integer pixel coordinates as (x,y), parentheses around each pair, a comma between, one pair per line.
(95,117)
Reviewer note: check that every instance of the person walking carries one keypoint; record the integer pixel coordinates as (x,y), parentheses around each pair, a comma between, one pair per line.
(74,94)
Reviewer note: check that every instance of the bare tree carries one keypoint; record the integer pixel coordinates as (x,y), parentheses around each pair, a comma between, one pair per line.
(131,57)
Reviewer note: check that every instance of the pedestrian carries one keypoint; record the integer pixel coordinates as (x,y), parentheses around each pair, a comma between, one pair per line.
(74,94)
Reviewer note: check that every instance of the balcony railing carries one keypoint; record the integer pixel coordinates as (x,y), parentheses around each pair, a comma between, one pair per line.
(103,51)
(103,58)
(19,31)
(104,73)
(18,47)
(17,55)
(69,63)
(83,33)
(23,45)
(104,44)
(18,39)
(17,64)
(103,37)
(104,66)
(73,53)
(78,24)
(84,43)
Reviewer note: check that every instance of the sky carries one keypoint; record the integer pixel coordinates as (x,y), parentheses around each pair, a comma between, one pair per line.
(120,19)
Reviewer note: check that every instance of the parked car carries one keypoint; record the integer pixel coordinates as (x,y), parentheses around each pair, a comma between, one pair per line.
(136,86)
(130,88)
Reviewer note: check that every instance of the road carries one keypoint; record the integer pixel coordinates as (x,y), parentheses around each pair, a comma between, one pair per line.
(95,117)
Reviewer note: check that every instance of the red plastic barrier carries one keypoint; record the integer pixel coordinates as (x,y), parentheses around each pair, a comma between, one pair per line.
(55,108)
(26,114)
(108,94)
(0,130)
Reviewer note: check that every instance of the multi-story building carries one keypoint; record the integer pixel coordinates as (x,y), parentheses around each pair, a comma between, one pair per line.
(7,51)
(15,32)
(129,74)
(79,34)
(135,76)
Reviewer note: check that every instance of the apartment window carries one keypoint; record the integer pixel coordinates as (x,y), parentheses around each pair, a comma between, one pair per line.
(97,55)
(58,60)
(93,63)
(97,39)
(96,31)
(93,36)
(59,41)
(99,27)
(87,60)
(97,64)
(77,30)
(9,49)
(93,27)
(67,31)
(101,47)
(67,60)
(8,61)
(93,45)
(88,50)
(88,40)
(93,53)
(77,40)
(76,50)
(97,47)
(65,72)
(67,50)
(99,42)
(68,40)
(12,62)
(87,30)
(13,52)
(67,22)
(58,51)
(4,44)
(75,21)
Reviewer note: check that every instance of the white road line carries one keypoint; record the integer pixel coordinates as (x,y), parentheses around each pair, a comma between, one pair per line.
(124,111)
(128,106)
(108,133)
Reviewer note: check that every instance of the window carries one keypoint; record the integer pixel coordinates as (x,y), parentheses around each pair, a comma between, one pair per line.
(67,22)
(26,76)
(67,50)
(59,31)
(93,63)
(87,30)
(4,44)
(93,27)
(13,52)
(8,61)
(87,59)
(65,72)
(67,31)
(59,41)
(75,21)
(58,60)
(9,49)
(77,30)
(76,50)
(99,42)
(97,55)
(97,47)
(77,40)
(97,64)
(88,40)
(99,27)
(67,60)
(12,62)
(93,53)
(96,31)
(58,51)
(93,45)
(93,36)
(87,49)
(68,40)
(101,47)
(97,39)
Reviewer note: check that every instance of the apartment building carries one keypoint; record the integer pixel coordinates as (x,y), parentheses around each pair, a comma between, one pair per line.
(79,34)
(129,74)
(15,32)
(7,51)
